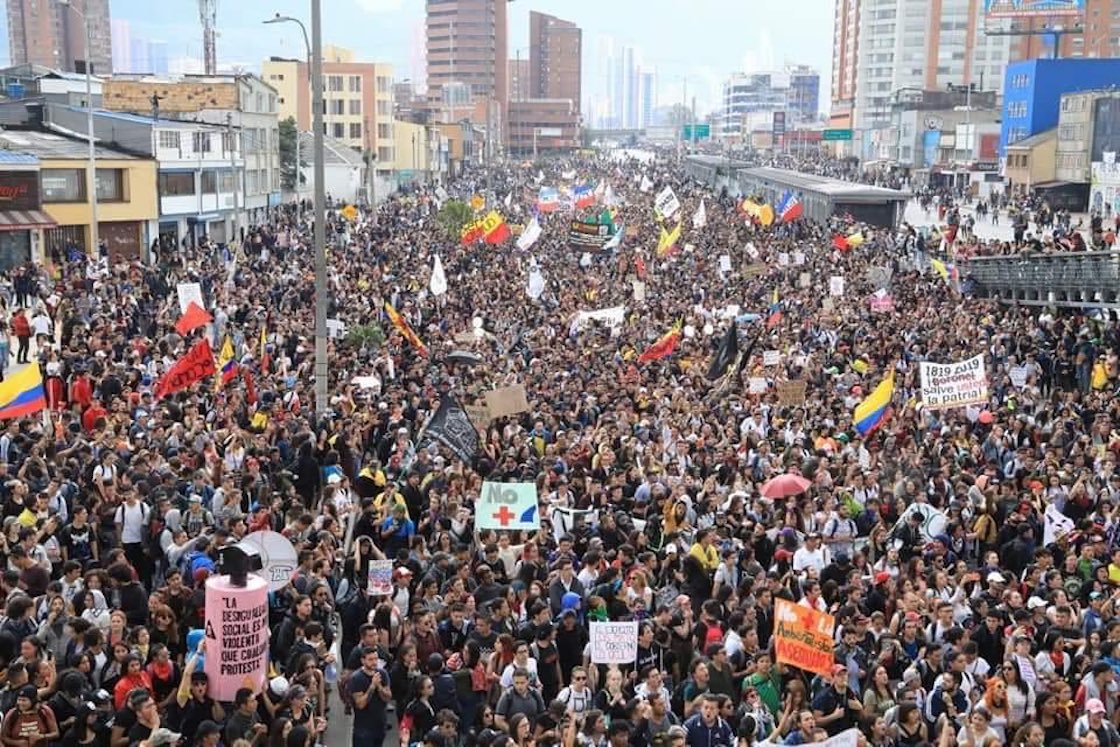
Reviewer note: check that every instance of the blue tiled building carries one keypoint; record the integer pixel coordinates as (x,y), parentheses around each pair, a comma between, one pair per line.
(1032,92)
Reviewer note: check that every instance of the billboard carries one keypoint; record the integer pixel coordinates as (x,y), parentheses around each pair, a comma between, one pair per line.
(779,126)
(1106,128)
(1032,8)
(1104,192)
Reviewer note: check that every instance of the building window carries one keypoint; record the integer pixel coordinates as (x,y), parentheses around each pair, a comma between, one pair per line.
(110,185)
(336,107)
(355,84)
(229,142)
(209,182)
(339,130)
(271,103)
(384,131)
(201,142)
(228,181)
(334,83)
(383,84)
(64,185)
(355,107)
(176,183)
(385,155)
(169,139)
(355,130)
(384,108)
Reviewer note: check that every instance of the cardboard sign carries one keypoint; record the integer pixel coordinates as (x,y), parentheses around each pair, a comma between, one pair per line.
(791,393)
(614,642)
(751,251)
(188,292)
(666,203)
(237,635)
(799,258)
(803,637)
(783,259)
(756,385)
(639,290)
(771,358)
(380,577)
(479,415)
(754,270)
(804,280)
(882,302)
(947,385)
(336,328)
(836,285)
(508,506)
(509,400)
(1019,375)
(725,263)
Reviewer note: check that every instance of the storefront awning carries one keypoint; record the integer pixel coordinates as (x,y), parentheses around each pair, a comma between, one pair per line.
(24,220)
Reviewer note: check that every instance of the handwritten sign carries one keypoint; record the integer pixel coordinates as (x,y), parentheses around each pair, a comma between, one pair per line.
(947,385)
(507,400)
(804,280)
(754,270)
(380,577)
(771,358)
(803,637)
(799,258)
(508,505)
(666,203)
(725,263)
(836,285)
(791,393)
(783,259)
(188,292)
(237,633)
(756,385)
(1019,375)
(614,642)
(479,415)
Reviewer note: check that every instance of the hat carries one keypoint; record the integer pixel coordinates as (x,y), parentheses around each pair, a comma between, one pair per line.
(162,736)
(1035,603)
(882,577)
(1094,705)
(838,668)
(279,686)
(996,578)
(402,572)
(30,692)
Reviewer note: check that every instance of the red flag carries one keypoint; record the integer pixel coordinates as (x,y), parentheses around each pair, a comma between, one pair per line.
(402,326)
(841,243)
(499,234)
(194,317)
(250,386)
(266,362)
(640,267)
(195,366)
(664,346)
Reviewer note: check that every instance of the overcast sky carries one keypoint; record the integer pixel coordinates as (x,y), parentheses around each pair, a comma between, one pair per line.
(701,40)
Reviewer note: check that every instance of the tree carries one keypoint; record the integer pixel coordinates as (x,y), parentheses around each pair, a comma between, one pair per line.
(288,134)
(453,216)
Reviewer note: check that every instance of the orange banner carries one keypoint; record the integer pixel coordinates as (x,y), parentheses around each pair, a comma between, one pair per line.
(803,637)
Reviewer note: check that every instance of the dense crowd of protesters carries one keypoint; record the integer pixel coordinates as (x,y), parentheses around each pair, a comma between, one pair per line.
(116,505)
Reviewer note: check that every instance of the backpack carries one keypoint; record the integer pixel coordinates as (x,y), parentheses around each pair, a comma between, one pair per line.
(676,701)
(713,633)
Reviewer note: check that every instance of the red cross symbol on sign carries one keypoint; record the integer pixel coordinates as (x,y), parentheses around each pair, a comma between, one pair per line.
(504,516)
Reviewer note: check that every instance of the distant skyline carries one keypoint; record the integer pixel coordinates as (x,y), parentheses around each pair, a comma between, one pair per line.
(704,45)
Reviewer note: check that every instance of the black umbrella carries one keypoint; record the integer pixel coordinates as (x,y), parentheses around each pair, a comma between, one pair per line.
(464,356)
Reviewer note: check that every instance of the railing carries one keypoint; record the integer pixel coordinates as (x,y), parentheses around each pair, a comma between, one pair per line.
(1070,279)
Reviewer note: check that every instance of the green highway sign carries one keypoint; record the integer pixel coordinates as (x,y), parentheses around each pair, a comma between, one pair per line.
(696,132)
(834,135)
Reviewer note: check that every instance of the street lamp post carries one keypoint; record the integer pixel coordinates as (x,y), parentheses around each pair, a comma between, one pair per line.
(307,47)
(320,200)
(91,165)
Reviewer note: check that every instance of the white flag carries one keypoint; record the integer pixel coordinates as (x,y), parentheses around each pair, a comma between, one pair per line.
(701,218)
(616,240)
(438,284)
(529,236)
(600,189)
(1055,525)
(646,185)
(509,200)
(536,282)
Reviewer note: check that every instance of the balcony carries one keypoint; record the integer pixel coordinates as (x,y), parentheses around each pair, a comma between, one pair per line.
(1081,279)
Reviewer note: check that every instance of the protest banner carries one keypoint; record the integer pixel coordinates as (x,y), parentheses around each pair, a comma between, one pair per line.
(836,285)
(756,385)
(508,506)
(507,400)
(1019,375)
(380,577)
(804,280)
(881,302)
(479,416)
(667,203)
(803,637)
(799,258)
(791,393)
(783,259)
(771,357)
(237,635)
(451,427)
(614,642)
(195,365)
(754,270)
(588,233)
(1055,525)
(188,292)
(565,520)
(946,385)
(725,263)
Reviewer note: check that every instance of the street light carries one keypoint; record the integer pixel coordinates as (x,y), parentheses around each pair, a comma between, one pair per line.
(91,165)
(307,45)
(320,199)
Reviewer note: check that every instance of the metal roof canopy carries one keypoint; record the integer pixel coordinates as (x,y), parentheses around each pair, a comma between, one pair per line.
(835,189)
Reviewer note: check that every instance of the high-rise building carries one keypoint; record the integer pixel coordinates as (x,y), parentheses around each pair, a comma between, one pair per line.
(804,98)
(647,85)
(122,45)
(140,59)
(358,97)
(519,80)
(54,35)
(157,57)
(883,47)
(466,46)
(555,58)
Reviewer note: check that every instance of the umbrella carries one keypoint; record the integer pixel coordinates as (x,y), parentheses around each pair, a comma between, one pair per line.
(464,356)
(784,486)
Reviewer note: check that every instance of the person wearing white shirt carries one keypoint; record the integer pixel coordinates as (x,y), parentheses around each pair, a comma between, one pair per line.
(811,554)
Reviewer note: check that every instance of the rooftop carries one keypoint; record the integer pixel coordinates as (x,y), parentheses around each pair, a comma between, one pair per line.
(48,145)
(166,124)
(1034,140)
(335,152)
(13,158)
(824,185)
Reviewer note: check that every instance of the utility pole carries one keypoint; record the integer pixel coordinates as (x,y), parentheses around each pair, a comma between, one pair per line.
(322,400)
(233,175)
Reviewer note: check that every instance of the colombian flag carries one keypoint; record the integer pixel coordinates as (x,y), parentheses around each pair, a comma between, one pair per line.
(227,365)
(664,346)
(775,312)
(22,393)
(873,411)
(402,326)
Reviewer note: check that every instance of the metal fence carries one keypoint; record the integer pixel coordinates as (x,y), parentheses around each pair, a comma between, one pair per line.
(1071,279)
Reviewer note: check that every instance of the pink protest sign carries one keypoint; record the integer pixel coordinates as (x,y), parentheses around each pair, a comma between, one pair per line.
(882,303)
(236,636)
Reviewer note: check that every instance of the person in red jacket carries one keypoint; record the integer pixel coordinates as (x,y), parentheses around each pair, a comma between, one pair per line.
(21,328)
(81,390)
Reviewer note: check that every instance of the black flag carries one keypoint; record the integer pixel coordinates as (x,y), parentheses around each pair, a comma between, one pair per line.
(745,358)
(725,356)
(451,427)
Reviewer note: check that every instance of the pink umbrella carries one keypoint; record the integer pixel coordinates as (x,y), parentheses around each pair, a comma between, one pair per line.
(784,486)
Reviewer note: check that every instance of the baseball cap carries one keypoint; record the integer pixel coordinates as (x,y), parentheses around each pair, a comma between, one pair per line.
(1094,705)
(1035,603)
(996,578)
(162,736)
(882,577)
(838,668)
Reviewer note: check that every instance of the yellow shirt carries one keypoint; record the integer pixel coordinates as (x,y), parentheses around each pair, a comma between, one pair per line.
(1113,573)
(709,558)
